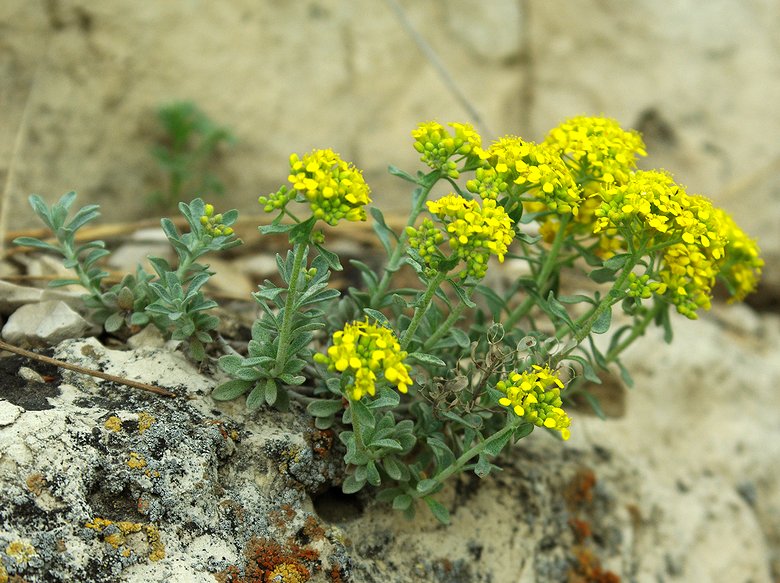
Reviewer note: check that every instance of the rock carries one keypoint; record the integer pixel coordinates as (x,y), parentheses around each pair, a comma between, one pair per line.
(15,296)
(149,337)
(139,487)
(9,413)
(138,247)
(44,323)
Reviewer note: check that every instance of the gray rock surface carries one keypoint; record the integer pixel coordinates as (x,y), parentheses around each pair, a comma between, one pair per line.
(100,482)
(44,324)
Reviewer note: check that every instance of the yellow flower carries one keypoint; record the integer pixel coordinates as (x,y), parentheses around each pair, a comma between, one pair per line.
(597,150)
(515,168)
(437,145)
(535,395)
(334,189)
(474,233)
(213,224)
(365,350)
(741,269)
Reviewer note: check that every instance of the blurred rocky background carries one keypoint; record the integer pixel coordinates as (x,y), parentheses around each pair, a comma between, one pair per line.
(82,81)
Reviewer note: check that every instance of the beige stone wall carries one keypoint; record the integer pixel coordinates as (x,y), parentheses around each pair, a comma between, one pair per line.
(80,81)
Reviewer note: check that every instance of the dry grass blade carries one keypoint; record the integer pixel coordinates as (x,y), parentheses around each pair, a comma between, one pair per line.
(86,371)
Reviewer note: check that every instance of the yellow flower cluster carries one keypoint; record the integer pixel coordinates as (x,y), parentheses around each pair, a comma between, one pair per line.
(426,240)
(474,232)
(596,149)
(535,395)
(437,145)
(335,189)
(741,269)
(364,350)
(212,223)
(700,242)
(515,168)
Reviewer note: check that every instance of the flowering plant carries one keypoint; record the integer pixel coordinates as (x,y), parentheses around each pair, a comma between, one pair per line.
(476,368)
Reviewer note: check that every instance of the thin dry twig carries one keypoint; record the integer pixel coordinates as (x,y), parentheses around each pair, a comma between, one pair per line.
(87,371)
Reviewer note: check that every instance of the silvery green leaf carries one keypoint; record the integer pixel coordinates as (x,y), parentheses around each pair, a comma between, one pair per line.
(601,325)
(114,322)
(482,467)
(352,485)
(438,510)
(372,474)
(427,359)
(427,486)
(256,398)
(324,407)
(392,467)
(230,390)
(37,243)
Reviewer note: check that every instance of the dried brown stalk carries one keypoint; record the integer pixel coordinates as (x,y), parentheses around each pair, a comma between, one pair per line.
(86,371)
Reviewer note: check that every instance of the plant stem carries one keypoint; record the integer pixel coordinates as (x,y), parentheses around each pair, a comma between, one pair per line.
(445,327)
(638,330)
(284,333)
(420,310)
(394,262)
(584,323)
(542,285)
(476,450)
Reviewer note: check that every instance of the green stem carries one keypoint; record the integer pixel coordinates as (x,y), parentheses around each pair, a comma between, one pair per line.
(584,323)
(445,327)
(394,262)
(284,333)
(420,310)
(638,330)
(476,450)
(542,285)
(356,430)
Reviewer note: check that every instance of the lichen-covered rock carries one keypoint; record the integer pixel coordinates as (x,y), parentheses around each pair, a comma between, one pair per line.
(100,482)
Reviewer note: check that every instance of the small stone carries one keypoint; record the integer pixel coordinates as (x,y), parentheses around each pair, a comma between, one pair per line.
(149,337)
(13,297)
(30,375)
(45,323)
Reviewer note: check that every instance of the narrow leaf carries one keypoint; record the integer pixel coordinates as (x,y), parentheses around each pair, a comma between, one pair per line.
(438,510)
(230,390)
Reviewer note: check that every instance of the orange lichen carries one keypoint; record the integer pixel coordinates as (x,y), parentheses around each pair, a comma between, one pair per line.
(580,488)
(267,561)
(282,516)
(580,528)
(588,569)
(335,574)
(321,441)
(313,529)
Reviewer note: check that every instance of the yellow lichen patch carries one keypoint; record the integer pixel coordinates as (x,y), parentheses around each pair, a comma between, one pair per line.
(136,461)
(116,534)
(21,551)
(157,547)
(113,423)
(3,574)
(145,421)
(289,573)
